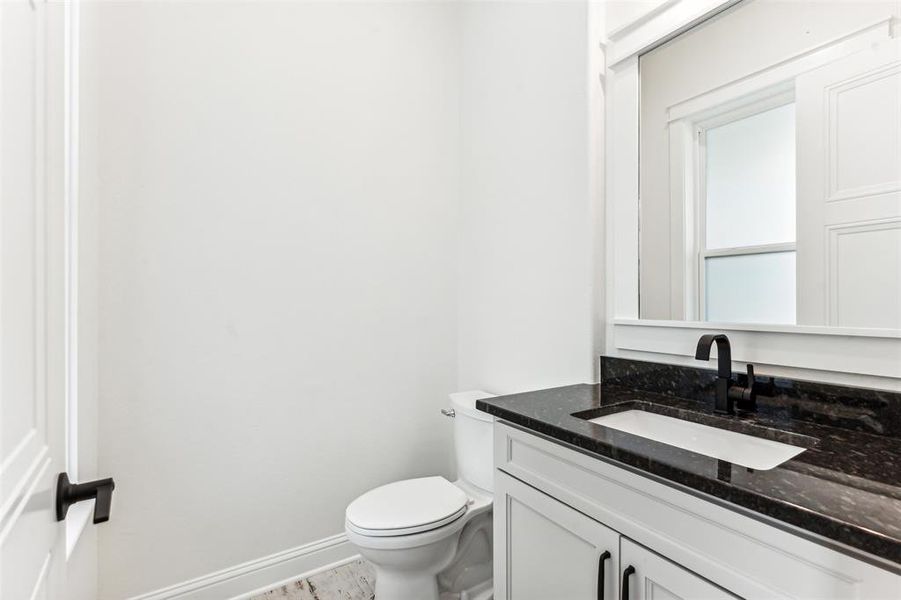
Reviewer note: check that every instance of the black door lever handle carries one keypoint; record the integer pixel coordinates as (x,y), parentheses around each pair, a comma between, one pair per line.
(68,493)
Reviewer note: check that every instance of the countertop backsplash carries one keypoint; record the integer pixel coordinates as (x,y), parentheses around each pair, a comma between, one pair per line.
(780,399)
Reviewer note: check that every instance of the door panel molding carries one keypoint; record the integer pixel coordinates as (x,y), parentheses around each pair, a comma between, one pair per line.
(834,281)
(833,123)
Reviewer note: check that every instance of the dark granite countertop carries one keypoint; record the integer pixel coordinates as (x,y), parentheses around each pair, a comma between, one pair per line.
(845,487)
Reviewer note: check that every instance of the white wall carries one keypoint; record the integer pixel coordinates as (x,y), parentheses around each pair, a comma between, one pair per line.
(621,14)
(316,220)
(278,186)
(527,300)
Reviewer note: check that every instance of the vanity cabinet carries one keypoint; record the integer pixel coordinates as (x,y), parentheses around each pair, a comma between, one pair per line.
(558,510)
(553,551)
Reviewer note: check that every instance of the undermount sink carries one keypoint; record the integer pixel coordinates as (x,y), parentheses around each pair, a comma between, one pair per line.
(738,448)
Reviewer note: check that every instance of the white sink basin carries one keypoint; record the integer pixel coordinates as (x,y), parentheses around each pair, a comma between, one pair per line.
(745,450)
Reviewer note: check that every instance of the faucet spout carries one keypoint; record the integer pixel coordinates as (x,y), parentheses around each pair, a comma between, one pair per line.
(723,403)
(723,352)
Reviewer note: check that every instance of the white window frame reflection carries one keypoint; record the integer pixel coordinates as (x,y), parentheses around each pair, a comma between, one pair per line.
(702,252)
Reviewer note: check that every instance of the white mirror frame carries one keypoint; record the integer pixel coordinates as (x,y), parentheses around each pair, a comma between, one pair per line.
(864,357)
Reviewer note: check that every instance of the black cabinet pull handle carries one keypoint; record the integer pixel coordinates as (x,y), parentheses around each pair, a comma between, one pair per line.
(68,493)
(625,587)
(603,559)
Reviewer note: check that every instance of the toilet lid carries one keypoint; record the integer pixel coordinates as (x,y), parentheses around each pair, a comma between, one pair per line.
(405,507)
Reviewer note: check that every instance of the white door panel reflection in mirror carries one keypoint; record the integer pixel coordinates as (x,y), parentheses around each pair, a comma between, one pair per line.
(849,243)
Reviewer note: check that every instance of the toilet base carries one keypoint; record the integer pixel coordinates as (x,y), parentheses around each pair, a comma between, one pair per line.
(408,573)
(482,591)
(469,576)
(405,585)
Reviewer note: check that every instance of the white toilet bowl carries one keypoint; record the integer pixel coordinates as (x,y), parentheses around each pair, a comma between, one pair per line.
(413,530)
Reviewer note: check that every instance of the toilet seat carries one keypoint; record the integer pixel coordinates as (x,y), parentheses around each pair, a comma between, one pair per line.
(406,507)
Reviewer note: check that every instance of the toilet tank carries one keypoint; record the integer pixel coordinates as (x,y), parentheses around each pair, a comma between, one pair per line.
(473,439)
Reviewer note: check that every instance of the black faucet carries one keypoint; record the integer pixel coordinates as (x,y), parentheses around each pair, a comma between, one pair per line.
(727,391)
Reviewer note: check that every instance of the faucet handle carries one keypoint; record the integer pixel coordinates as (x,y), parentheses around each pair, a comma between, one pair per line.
(748,399)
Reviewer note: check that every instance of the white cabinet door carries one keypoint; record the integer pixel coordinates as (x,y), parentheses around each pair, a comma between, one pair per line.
(849,190)
(648,576)
(547,550)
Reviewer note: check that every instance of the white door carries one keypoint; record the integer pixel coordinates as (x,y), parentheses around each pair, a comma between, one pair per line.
(648,576)
(849,190)
(33,315)
(547,550)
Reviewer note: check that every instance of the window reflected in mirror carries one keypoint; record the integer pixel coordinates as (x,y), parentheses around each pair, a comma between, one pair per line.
(747,234)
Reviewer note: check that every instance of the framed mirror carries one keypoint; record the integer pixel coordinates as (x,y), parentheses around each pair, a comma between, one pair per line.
(770,168)
(753,185)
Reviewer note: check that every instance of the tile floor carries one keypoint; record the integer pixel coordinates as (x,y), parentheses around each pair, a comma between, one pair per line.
(353,581)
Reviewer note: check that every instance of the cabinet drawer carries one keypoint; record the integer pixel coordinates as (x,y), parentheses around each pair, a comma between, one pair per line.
(751,557)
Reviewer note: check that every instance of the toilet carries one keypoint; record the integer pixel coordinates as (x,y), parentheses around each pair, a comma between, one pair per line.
(430,538)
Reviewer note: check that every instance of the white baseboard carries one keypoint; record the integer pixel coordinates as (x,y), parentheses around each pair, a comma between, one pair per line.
(255,576)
